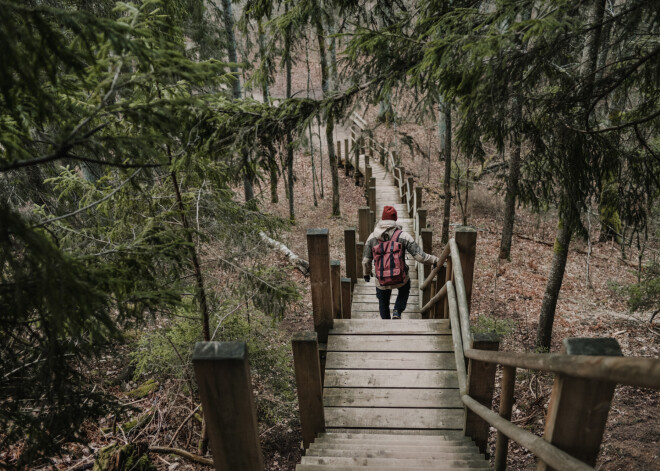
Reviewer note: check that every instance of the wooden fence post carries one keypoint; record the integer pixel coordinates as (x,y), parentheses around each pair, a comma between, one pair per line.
(366,160)
(420,221)
(466,240)
(506,406)
(449,276)
(308,383)
(578,407)
(367,180)
(440,280)
(410,189)
(481,384)
(359,249)
(346,158)
(351,256)
(335,282)
(372,200)
(222,372)
(419,195)
(363,224)
(318,250)
(357,162)
(346,298)
(427,244)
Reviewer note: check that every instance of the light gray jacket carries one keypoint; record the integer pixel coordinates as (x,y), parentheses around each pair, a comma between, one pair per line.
(384,231)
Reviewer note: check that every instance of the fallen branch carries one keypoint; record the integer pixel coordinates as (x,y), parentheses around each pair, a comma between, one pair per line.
(183,423)
(302,265)
(180,452)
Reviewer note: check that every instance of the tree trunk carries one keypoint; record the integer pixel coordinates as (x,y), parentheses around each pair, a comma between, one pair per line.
(228,17)
(549,304)
(289,140)
(309,127)
(272,163)
(444,120)
(329,125)
(511,188)
(587,74)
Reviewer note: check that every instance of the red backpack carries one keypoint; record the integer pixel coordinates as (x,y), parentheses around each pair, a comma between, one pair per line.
(389,258)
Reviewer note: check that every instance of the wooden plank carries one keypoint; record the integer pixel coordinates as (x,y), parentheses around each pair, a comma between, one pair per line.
(385,436)
(370,397)
(394,418)
(402,454)
(354,326)
(370,298)
(385,360)
(315,463)
(413,379)
(373,307)
(390,343)
(350,254)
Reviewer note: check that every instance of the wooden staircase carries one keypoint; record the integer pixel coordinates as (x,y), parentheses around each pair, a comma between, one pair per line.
(390,394)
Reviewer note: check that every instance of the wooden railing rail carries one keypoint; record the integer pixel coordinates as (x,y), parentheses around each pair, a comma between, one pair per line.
(630,371)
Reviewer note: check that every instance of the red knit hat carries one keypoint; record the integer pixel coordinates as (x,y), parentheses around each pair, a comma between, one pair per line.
(389,213)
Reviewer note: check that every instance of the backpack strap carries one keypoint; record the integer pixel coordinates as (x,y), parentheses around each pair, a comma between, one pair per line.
(395,238)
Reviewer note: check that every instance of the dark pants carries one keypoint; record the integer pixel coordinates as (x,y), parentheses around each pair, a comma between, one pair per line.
(384,295)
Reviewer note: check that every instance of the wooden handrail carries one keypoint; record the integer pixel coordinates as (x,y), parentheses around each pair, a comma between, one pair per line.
(547,452)
(641,372)
(439,295)
(441,260)
(456,338)
(463,311)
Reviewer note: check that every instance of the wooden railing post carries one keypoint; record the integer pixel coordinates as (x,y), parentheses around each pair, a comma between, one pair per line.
(309,386)
(367,182)
(351,256)
(418,199)
(346,157)
(222,372)
(427,244)
(506,406)
(578,407)
(366,160)
(372,199)
(335,281)
(466,240)
(449,276)
(346,298)
(359,250)
(357,162)
(318,249)
(410,189)
(420,221)
(481,384)
(440,280)
(363,224)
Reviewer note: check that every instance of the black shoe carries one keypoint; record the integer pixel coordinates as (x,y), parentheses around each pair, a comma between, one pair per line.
(396,315)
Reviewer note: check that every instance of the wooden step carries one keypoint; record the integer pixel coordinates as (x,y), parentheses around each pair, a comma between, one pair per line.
(390,343)
(387,360)
(391,463)
(412,379)
(369,327)
(457,454)
(349,417)
(436,467)
(388,397)
(389,435)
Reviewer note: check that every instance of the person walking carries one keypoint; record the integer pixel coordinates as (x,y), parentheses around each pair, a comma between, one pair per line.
(387,245)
